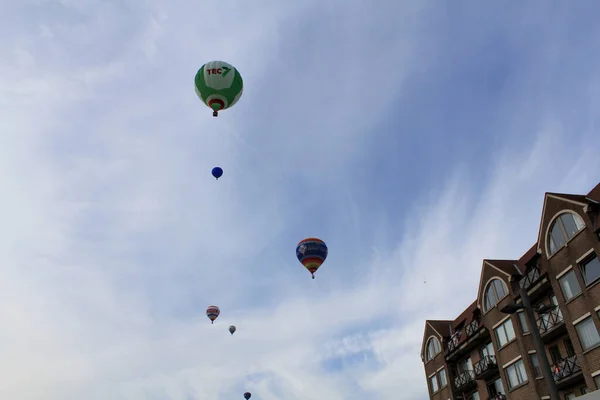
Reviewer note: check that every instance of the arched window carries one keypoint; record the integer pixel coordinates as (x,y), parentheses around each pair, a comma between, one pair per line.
(433,348)
(564,227)
(495,291)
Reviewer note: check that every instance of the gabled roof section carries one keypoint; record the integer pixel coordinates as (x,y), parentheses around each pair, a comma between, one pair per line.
(594,194)
(578,199)
(441,328)
(466,316)
(505,268)
(528,256)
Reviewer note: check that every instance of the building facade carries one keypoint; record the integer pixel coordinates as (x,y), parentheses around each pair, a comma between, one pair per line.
(487,352)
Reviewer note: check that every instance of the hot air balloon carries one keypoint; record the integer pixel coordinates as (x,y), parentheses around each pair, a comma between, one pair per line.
(232,329)
(219,85)
(217,172)
(212,312)
(247,395)
(311,252)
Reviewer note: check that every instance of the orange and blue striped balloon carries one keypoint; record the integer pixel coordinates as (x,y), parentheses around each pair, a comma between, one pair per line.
(311,252)
(212,312)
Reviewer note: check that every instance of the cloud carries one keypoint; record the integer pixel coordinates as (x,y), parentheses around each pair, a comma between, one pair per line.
(352,127)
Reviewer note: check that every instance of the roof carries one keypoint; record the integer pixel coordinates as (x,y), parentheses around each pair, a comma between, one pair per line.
(528,256)
(507,266)
(579,198)
(466,316)
(441,326)
(594,194)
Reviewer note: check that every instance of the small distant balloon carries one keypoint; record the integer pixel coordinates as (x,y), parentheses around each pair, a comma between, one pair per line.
(217,172)
(232,329)
(247,395)
(312,252)
(212,312)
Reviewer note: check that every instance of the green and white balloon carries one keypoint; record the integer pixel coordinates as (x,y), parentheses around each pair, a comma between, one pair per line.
(219,85)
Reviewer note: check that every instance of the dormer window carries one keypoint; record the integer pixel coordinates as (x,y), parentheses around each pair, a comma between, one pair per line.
(495,291)
(433,348)
(564,227)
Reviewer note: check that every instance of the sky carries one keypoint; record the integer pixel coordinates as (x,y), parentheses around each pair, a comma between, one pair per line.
(415,138)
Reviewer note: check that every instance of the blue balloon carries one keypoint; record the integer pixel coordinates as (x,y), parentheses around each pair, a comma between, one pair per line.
(217,172)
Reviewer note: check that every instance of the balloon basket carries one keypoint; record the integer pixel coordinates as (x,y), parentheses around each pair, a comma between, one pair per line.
(215,114)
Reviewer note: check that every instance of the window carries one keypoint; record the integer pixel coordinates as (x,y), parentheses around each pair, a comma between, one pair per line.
(473,396)
(537,371)
(515,374)
(433,348)
(505,333)
(584,390)
(555,355)
(569,285)
(597,381)
(569,347)
(562,229)
(495,291)
(487,350)
(465,365)
(495,388)
(569,396)
(443,379)
(523,321)
(590,269)
(588,334)
(433,383)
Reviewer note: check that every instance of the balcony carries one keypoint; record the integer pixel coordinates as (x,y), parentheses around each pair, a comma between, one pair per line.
(475,333)
(530,278)
(497,397)
(452,344)
(567,371)
(551,325)
(485,368)
(465,381)
(535,283)
(472,328)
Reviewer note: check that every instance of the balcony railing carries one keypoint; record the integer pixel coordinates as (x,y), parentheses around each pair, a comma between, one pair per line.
(484,365)
(472,328)
(464,378)
(530,278)
(565,368)
(453,344)
(549,321)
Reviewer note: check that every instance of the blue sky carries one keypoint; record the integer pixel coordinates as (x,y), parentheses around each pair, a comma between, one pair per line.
(415,138)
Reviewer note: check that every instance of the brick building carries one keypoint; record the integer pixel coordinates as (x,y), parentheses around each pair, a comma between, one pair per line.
(487,354)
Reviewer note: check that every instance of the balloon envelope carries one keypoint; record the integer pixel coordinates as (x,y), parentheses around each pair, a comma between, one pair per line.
(247,395)
(232,329)
(219,85)
(212,312)
(312,252)
(217,172)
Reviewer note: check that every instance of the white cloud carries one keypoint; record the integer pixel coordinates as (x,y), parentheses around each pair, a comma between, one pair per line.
(115,238)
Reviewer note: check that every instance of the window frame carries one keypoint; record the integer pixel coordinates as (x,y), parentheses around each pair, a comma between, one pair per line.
(487,307)
(439,348)
(563,279)
(503,326)
(557,221)
(523,322)
(578,324)
(535,366)
(441,372)
(432,379)
(518,371)
(589,258)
